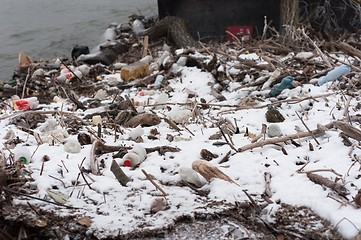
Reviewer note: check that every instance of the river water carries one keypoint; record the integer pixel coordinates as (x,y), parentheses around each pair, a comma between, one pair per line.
(46,29)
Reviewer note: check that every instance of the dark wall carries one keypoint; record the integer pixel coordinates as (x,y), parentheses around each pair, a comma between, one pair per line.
(210,18)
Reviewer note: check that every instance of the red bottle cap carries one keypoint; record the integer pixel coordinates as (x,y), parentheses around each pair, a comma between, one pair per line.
(127,163)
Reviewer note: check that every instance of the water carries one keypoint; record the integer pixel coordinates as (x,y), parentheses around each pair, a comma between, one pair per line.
(46,29)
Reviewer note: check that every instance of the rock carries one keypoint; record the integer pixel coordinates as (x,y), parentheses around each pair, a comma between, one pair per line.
(274,131)
(274,116)
(144,119)
(158,204)
(79,50)
(207,155)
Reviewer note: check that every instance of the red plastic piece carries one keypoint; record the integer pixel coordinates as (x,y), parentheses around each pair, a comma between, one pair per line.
(239,31)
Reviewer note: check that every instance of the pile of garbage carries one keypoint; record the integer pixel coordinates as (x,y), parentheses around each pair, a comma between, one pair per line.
(137,135)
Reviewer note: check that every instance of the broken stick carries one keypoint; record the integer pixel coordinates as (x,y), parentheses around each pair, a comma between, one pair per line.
(154,183)
(119,174)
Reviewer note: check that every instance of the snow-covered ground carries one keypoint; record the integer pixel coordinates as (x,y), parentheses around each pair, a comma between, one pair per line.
(115,209)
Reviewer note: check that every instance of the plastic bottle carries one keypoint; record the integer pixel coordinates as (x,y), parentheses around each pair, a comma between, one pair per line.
(179,115)
(78,74)
(66,69)
(22,154)
(147,59)
(25,103)
(65,76)
(189,175)
(38,73)
(158,81)
(182,61)
(138,28)
(84,69)
(334,74)
(162,57)
(134,156)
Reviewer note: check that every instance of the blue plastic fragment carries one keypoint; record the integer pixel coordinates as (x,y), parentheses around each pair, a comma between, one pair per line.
(279,87)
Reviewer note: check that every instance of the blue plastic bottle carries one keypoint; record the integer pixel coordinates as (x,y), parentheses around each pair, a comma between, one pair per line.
(158,81)
(334,74)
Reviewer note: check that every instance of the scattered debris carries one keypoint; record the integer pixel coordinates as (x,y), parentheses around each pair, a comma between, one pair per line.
(82,118)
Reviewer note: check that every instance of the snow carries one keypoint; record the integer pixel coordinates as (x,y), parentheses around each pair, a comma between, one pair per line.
(115,209)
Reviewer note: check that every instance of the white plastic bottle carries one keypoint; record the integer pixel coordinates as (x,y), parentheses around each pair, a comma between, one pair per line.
(188,175)
(134,156)
(158,81)
(65,76)
(22,154)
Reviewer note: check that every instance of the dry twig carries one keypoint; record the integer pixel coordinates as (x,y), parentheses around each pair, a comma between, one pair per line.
(304,124)
(319,52)
(154,183)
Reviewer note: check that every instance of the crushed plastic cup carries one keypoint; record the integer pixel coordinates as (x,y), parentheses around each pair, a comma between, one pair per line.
(96,119)
(287,82)
(84,69)
(25,103)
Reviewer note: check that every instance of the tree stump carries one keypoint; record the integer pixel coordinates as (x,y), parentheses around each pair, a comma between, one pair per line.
(174,29)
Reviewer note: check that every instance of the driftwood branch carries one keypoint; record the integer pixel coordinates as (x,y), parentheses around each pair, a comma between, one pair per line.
(94,166)
(318,179)
(348,130)
(348,49)
(267,178)
(286,138)
(162,149)
(304,124)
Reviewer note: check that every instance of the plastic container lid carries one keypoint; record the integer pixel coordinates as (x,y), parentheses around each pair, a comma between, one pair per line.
(127,163)
(23,160)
